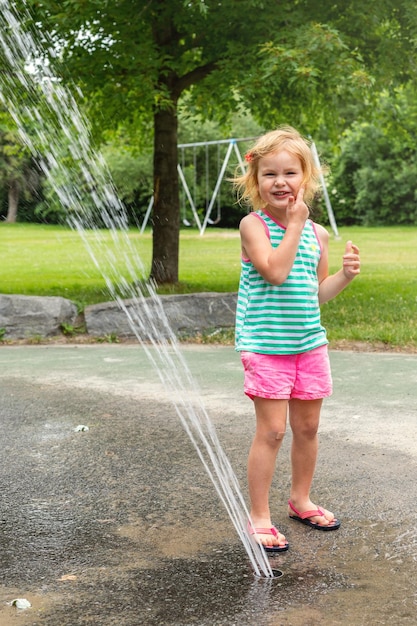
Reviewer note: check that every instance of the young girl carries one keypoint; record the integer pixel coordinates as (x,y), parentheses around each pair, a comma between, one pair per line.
(283,345)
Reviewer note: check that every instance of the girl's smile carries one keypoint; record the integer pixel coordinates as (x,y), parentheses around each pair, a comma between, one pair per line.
(280,177)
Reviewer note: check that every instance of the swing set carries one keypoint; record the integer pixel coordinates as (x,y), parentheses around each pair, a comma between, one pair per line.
(232,147)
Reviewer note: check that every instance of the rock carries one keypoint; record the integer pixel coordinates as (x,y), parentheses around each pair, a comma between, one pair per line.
(23,317)
(185,314)
(26,317)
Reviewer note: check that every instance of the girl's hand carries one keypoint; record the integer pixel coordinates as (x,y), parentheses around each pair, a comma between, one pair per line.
(297,210)
(351,261)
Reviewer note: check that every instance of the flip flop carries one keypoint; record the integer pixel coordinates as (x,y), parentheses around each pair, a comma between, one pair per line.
(267,531)
(304,518)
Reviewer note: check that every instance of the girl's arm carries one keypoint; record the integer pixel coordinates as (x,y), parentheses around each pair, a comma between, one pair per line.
(331,286)
(274,264)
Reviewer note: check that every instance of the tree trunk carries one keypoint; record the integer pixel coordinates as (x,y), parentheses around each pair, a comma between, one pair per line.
(166,208)
(13,202)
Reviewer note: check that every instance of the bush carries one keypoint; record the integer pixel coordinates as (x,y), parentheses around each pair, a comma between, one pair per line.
(373,179)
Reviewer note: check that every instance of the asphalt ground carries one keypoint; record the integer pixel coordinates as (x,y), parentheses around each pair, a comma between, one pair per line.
(121,525)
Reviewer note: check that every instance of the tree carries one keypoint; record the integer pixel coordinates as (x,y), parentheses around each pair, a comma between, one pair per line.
(135,59)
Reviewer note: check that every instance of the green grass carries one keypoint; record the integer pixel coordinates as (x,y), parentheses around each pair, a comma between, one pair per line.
(378,308)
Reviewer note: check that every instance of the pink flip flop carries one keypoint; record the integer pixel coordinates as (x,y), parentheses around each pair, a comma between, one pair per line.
(268,531)
(304,518)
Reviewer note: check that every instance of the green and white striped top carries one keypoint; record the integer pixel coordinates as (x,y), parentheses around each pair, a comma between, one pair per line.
(281,319)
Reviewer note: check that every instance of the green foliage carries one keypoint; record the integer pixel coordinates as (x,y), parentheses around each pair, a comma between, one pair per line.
(71,331)
(306,78)
(111,338)
(297,63)
(131,172)
(18,170)
(373,179)
(131,59)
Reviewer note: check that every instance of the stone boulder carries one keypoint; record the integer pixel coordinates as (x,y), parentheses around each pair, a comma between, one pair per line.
(185,314)
(23,317)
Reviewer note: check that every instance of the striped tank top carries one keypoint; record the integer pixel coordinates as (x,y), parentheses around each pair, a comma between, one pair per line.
(281,319)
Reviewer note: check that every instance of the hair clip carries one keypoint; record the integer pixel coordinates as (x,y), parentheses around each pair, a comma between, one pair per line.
(249,157)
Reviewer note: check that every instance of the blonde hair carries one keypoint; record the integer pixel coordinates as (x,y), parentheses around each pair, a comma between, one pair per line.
(283,138)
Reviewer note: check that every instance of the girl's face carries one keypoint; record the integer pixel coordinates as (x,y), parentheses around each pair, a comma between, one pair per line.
(280,176)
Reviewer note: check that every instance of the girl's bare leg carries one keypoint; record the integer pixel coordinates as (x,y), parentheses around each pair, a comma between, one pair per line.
(304,417)
(271,417)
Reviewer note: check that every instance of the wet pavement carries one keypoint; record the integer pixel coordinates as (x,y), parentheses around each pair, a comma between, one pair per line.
(121,525)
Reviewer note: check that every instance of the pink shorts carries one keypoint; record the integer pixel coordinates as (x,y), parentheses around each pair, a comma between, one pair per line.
(305,376)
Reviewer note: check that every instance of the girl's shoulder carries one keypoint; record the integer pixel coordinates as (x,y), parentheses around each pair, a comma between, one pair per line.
(250,218)
(253,225)
(321,232)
